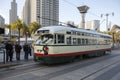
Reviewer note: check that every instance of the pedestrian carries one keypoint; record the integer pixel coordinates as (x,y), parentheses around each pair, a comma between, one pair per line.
(18,50)
(9,51)
(26,51)
(29,47)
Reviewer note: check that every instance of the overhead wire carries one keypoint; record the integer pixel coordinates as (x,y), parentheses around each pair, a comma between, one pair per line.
(77,6)
(63,22)
(51,20)
(93,14)
(70,3)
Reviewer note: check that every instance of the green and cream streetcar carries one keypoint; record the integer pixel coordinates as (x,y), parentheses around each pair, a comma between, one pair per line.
(58,44)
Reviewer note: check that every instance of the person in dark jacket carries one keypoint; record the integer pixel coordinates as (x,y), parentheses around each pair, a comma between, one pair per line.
(30,53)
(18,50)
(9,51)
(26,49)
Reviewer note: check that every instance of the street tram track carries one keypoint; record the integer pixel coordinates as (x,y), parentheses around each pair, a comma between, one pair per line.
(78,64)
(117,62)
(13,71)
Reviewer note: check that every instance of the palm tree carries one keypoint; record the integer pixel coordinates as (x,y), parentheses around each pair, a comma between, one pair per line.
(9,27)
(18,25)
(115,34)
(33,27)
(25,31)
(115,27)
(22,28)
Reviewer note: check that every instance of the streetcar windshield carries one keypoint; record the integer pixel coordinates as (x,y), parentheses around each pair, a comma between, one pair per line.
(44,39)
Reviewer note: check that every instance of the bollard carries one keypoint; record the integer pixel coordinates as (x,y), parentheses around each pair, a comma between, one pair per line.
(4,57)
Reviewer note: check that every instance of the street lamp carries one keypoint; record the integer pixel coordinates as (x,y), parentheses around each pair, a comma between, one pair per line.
(107,14)
(83,10)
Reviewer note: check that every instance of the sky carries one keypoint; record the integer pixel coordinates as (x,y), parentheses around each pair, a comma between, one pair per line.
(68,10)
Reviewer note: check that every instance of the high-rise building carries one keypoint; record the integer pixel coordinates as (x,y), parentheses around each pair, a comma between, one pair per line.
(13,15)
(2,22)
(93,25)
(13,12)
(45,12)
(26,14)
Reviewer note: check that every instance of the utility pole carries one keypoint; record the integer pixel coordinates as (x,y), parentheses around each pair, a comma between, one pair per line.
(107,14)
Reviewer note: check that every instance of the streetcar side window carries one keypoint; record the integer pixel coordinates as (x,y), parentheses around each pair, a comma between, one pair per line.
(83,41)
(69,41)
(59,38)
(79,41)
(55,38)
(74,41)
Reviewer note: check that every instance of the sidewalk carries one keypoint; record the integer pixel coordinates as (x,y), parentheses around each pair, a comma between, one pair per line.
(14,63)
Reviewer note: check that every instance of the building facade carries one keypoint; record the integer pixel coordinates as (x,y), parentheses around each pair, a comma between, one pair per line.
(45,12)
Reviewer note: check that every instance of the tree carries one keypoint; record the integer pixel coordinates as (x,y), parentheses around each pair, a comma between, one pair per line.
(18,25)
(25,31)
(115,34)
(33,27)
(115,27)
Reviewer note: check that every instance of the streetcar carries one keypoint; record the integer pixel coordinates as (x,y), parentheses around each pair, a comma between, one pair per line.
(59,44)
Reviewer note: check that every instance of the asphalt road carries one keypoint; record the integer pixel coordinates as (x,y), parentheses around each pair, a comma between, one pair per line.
(106,67)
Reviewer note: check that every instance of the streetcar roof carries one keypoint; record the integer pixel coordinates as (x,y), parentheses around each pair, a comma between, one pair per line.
(57,29)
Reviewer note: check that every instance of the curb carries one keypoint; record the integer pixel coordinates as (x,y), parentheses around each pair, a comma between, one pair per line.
(8,65)
(11,64)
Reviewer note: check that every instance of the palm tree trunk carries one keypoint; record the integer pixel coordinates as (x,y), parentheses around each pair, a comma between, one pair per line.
(113,39)
(10,32)
(19,35)
(26,37)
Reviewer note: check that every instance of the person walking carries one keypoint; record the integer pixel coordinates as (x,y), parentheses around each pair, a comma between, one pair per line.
(18,50)
(29,47)
(9,51)
(26,51)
